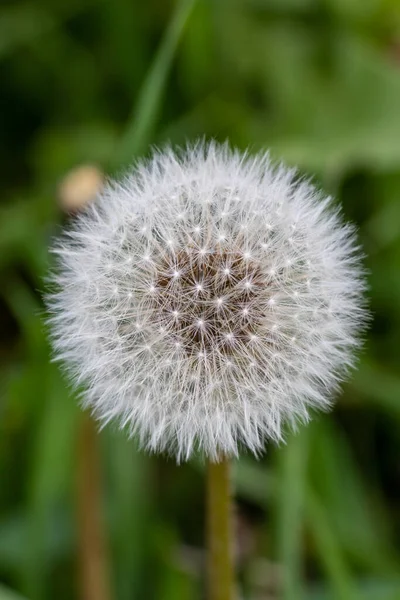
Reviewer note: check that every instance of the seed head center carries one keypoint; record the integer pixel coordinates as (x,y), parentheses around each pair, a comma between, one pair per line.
(212,305)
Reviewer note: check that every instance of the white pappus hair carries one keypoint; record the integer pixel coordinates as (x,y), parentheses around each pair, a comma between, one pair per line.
(207,298)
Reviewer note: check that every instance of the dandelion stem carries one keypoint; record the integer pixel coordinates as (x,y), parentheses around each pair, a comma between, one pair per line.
(93,564)
(219,525)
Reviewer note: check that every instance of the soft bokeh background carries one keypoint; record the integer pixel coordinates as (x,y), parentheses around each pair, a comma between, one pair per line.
(95,82)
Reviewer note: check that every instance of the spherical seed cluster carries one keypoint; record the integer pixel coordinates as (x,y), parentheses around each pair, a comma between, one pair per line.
(206,299)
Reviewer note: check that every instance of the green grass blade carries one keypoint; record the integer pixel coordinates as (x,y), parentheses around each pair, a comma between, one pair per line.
(7,594)
(328,549)
(258,485)
(379,386)
(370,589)
(363,532)
(130,501)
(289,502)
(51,448)
(140,127)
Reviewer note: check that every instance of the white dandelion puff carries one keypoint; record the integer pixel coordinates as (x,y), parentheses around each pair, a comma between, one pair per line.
(206,299)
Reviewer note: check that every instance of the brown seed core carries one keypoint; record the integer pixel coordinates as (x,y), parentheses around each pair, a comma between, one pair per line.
(208,301)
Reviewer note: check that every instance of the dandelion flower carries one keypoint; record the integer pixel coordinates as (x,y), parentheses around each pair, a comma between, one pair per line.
(206,299)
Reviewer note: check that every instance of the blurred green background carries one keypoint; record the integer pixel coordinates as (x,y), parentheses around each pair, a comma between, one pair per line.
(95,82)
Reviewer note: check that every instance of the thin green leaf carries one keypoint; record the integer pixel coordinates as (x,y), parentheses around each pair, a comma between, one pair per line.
(356,514)
(368,589)
(329,551)
(51,453)
(7,594)
(140,127)
(379,386)
(292,475)
(130,503)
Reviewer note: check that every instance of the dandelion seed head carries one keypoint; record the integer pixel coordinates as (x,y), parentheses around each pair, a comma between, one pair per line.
(206,299)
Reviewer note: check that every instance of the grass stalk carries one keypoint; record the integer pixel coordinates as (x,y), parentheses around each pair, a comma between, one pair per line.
(220,569)
(93,563)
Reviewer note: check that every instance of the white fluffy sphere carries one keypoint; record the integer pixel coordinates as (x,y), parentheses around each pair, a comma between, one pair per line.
(206,299)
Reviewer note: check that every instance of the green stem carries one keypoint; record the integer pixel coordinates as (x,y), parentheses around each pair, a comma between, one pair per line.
(220,534)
